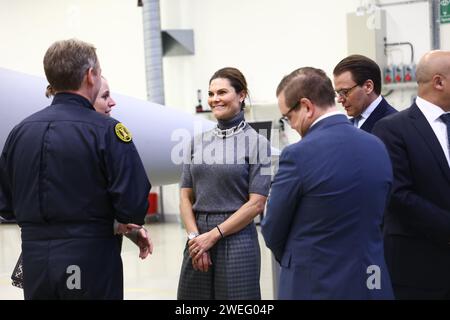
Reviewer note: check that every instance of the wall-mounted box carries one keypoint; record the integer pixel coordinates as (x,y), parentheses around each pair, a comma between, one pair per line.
(366,34)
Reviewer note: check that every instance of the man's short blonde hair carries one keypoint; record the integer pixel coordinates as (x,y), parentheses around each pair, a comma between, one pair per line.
(66,63)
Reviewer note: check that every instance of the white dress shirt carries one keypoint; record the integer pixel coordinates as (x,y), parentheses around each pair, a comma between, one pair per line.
(432,113)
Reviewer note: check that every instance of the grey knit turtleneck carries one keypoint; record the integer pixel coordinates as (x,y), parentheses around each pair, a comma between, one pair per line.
(224,171)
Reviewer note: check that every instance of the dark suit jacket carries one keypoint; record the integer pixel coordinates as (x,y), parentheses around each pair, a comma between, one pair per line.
(324,213)
(382,110)
(417,222)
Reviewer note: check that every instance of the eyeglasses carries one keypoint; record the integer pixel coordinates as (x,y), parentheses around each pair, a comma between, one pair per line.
(344,93)
(285,117)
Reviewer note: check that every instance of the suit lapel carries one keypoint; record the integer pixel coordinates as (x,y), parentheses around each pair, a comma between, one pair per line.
(426,132)
(376,115)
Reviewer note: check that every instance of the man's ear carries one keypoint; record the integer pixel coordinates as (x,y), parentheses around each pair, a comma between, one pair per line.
(369,86)
(310,107)
(90,76)
(438,82)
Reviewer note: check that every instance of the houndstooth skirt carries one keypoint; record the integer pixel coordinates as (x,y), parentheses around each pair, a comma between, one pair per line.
(17,275)
(235,270)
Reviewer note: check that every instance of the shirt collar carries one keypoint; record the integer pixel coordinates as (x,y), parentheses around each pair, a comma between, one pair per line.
(326,115)
(431,111)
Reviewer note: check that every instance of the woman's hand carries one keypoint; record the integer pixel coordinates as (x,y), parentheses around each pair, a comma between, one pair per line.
(203,263)
(203,243)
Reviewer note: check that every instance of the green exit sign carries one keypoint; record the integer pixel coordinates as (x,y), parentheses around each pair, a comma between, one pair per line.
(445,11)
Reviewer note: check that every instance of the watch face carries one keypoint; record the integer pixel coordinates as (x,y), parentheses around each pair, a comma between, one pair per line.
(192,235)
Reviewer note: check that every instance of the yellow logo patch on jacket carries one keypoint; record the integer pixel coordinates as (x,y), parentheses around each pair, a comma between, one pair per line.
(123,133)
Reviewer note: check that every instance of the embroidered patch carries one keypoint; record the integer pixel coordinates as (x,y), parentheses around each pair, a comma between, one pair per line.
(122,132)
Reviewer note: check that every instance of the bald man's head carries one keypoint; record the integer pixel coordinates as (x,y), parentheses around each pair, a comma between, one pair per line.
(433,63)
(433,77)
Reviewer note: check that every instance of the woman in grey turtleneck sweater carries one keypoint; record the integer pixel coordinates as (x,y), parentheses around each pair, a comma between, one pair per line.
(224,186)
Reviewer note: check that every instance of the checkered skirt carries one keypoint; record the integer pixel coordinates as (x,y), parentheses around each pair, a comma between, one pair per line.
(235,270)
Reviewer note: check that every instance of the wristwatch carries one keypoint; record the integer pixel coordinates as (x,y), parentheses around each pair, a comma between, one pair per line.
(192,235)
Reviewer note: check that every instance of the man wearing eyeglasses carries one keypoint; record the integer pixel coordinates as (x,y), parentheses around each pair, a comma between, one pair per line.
(327,199)
(357,80)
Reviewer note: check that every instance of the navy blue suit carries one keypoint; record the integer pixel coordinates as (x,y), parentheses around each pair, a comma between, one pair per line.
(65,176)
(382,110)
(417,221)
(324,214)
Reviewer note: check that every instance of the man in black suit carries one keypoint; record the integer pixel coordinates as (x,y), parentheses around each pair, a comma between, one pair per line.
(417,221)
(357,80)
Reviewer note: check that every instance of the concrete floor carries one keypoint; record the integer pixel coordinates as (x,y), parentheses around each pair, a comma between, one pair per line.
(155,278)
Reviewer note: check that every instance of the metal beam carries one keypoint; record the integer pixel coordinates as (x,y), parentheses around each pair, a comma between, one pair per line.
(435,24)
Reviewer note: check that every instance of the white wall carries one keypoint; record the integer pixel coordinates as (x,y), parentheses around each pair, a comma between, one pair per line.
(407,23)
(445,36)
(266,39)
(28,27)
